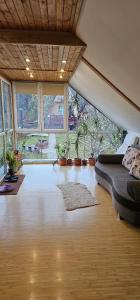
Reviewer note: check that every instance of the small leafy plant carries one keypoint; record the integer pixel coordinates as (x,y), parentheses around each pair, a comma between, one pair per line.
(12,162)
(11,159)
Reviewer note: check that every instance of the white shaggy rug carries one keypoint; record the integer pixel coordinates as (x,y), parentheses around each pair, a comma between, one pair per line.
(76,195)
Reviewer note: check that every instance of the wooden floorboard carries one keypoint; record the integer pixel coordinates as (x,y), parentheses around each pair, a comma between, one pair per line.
(49,253)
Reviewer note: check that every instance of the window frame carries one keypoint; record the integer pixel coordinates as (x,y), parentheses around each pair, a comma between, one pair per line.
(41,127)
(6,130)
(17,129)
(63,130)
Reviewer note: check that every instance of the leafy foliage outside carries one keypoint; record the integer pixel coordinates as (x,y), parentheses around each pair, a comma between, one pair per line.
(101,134)
(27,110)
(89,130)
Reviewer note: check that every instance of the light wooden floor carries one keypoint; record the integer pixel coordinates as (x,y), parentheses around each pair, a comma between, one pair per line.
(47,253)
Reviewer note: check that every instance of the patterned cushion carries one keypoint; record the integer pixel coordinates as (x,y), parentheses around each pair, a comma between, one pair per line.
(135,168)
(129,157)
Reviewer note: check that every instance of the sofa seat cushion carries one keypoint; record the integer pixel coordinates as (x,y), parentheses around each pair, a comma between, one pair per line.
(118,176)
(133,188)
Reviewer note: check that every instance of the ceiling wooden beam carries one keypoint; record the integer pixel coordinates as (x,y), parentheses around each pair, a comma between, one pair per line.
(33,69)
(112,85)
(40,37)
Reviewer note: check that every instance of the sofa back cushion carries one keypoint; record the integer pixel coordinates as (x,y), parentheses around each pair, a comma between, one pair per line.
(129,157)
(135,167)
(131,138)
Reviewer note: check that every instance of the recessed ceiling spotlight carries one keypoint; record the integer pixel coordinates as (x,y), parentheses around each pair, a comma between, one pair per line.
(61,76)
(62,70)
(31,75)
(64,61)
(27,68)
(27,59)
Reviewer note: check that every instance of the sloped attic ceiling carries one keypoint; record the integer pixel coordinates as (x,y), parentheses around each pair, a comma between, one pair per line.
(111,31)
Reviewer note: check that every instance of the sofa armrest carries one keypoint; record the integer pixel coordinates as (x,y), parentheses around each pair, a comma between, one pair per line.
(133,188)
(110,158)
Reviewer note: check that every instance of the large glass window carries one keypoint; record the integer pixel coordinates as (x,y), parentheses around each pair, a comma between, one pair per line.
(53,106)
(1,113)
(27,105)
(101,134)
(46,112)
(40,106)
(2,156)
(7,105)
(6,131)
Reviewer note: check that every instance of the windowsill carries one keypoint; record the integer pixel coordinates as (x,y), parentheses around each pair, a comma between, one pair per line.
(38,161)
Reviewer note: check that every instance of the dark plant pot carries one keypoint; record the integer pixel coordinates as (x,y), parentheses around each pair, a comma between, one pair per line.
(62,162)
(77,162)
(11,171)
(84,162)
(69,162)
(91,161)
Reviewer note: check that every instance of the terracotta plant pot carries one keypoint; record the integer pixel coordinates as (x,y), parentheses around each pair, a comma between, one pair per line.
(69,162)
(91,161)
(62,162)
(77,162)
(84,162)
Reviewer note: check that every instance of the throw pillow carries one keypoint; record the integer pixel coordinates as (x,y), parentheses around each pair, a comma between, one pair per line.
(129,157)
(135,167)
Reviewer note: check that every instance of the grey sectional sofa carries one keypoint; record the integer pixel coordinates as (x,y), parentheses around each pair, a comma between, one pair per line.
(124,188)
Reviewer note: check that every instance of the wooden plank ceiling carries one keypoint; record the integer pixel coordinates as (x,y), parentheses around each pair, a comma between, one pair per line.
(46,56)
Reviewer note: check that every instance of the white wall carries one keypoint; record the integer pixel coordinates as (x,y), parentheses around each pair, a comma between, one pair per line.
(94,89)
(111,30)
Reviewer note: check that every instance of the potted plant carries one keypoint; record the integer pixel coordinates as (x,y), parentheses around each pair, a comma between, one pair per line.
(69,160)
(77,160)
(84,129)
(91,160)
(18,155)
(61,154)
(12,162)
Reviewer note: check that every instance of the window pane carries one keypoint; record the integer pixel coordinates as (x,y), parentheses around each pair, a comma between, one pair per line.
(1,118)
(33,146)
(2,161)
(101,134)
(39,146)
(53,112)
(7,105)
(27,111)
(9,140)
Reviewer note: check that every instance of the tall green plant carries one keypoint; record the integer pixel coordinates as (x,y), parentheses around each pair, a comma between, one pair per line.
(84,132)
(77,141)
